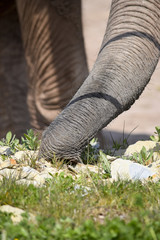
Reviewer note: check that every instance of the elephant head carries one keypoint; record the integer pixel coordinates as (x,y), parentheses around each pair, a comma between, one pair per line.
(127,58)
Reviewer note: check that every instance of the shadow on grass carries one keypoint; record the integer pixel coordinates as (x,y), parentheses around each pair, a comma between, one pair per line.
(106,137)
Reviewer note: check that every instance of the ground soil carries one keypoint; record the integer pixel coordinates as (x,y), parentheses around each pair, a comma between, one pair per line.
(144,115)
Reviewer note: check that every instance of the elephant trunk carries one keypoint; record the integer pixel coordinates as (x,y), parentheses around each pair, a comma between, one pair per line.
(128,56)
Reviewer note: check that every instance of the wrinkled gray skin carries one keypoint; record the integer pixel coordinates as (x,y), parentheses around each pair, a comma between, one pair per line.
(127,58)
(42,61)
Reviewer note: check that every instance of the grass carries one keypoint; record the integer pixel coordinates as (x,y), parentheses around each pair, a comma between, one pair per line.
(88,207)
(144,157)
(129,211)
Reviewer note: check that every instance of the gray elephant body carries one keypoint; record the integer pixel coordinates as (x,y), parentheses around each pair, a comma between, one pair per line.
(42,61)
(50,33)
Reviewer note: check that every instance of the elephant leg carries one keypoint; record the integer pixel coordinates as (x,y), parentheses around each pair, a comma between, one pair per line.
(125,63)
(14,115)
(54,50)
